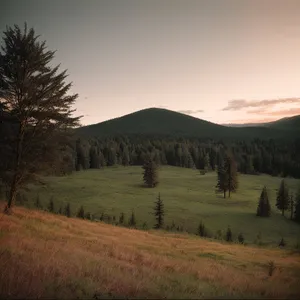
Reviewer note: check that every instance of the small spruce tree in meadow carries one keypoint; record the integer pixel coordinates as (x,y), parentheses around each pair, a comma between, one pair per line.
(122,219)
(159,213)
(132,220)
(263,209)
(51,205)
(67,211)
(282,200)
(150,175)
(80,213)
(201,229)
(241,238)
(229,235)
(297,207)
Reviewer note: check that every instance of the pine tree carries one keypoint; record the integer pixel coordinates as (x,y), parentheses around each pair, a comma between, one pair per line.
(132,220)
(60,210)
(159,213)
(263,209)
(36,97)
(231,170)
(201,229)
(80,213)
(292,206)
(297,207)
(229,235)
(150,175)
(51,205)
(122,219)
(67,211)
(222,180)
(282,201)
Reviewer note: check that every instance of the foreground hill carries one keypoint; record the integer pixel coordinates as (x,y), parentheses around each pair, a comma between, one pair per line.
(51,256)
(155,121)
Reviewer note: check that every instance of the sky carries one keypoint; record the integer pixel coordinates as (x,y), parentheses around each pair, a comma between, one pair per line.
(225,61)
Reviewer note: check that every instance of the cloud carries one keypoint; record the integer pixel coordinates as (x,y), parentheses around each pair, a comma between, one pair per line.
(190,112)
(282,112)
(241,104)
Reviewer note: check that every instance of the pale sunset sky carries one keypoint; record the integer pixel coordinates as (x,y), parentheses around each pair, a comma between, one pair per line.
(226,61)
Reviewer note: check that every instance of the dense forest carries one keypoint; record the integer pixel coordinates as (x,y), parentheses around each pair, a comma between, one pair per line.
(257,156)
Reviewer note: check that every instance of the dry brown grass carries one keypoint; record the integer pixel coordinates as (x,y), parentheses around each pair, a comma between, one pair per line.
(44,255)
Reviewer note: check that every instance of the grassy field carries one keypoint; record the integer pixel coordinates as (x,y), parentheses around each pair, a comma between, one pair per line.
(188,197)
(51,256)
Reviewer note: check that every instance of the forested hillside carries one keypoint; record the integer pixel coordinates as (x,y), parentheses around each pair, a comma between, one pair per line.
(256,156)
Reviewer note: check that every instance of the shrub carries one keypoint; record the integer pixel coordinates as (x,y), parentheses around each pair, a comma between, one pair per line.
(241,238)
(229,235)
(282,243)
(202,229)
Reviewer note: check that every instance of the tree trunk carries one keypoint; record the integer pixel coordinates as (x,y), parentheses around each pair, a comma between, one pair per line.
(224,194)
(14,183)
(283,212)
(229,193)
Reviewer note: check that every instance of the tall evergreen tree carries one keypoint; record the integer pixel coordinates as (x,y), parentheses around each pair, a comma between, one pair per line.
(227,175)
(222,180)
(264,209)
(297,207)
(159,213)
(282,201)
(150,175)
(292,206)
(37,97)
(231,170)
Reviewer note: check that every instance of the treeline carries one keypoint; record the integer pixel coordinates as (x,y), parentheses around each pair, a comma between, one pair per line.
(257,156)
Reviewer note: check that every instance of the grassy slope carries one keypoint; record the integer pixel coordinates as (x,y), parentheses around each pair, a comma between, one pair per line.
(188,196)
(44,255)
(166,122)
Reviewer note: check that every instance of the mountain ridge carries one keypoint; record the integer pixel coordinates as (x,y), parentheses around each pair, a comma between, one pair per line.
(167,122)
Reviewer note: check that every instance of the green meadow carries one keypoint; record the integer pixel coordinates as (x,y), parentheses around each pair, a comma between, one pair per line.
(188,196)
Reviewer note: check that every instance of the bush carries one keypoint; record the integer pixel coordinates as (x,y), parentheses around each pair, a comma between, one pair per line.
(229,235)
(241,238)
(80,213)
(282,243)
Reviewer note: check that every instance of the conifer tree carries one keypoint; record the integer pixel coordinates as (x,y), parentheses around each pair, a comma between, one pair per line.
(150,175)
(60,210)
(36,97)
(80,213)
(282,201)
(201,229)
(227,175)
(159,213)
(132,220)
(51,205)
(297,207)
(222,180)
(67,211)
(292,206)
(122,219)
(263,209)
(229,235)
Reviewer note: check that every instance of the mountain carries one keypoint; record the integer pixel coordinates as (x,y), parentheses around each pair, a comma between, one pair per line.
(289,123)
(158,121)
